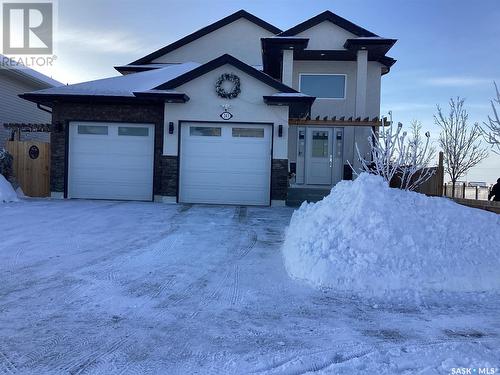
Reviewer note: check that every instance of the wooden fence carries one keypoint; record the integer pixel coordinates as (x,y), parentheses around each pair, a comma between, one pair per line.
(31,166)
(483,205)
(434,185)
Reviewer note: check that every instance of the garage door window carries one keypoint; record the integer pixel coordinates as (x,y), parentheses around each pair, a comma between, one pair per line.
(92,129)
(205,131)
(248,132)
(133,131)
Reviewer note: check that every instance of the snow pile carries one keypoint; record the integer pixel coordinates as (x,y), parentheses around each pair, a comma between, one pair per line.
(7,193)
(373,241)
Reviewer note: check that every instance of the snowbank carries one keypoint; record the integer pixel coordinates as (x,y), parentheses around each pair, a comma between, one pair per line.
(7,193)
(370,240)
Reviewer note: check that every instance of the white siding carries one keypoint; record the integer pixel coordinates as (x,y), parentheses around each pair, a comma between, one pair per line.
(15,109)
(240,39)
(205,105)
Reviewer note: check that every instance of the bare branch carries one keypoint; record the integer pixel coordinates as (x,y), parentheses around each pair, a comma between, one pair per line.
(461,145)
(491,130)
(399,157)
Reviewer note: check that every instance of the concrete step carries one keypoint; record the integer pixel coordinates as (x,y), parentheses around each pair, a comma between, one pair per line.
(298,195)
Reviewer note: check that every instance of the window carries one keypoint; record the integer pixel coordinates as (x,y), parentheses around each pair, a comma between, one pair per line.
(319,144)
(205,131)
(92,129)
(326,86)
(248,132)
(135,131)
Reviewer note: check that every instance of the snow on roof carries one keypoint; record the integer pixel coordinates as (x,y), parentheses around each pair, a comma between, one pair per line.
(124,85)
(295,94)
(12,65)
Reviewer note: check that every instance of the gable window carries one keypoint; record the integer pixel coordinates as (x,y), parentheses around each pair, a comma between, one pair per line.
(323,86)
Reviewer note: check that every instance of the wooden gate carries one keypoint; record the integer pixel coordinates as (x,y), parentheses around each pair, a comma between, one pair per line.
(31,166)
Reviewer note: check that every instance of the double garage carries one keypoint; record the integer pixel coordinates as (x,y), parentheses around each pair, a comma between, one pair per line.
(219,163)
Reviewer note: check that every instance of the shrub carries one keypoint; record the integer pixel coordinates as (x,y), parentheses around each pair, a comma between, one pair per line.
(6,164)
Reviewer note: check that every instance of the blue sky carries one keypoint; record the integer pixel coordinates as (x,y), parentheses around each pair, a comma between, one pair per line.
(446,48)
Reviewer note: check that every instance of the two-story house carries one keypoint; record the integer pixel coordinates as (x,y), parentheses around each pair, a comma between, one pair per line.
(238,112)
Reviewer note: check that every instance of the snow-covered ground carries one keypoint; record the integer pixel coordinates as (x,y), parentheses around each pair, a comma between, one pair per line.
(143,288)
(368,239)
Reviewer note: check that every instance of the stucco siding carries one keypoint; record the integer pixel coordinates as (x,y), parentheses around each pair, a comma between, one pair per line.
(205,105)
(240,39)
(326,35)
(15,109)
(373,89)
(342,107)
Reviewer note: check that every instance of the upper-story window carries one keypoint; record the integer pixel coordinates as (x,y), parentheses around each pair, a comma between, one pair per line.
(323,86)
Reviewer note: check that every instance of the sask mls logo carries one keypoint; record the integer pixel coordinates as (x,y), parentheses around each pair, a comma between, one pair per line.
(27,28)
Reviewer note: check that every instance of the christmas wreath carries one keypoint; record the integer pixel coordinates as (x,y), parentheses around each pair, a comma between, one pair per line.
(235,90)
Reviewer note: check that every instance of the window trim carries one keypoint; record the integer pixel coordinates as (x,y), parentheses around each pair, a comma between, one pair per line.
(325,74)
(207,127)
(132,127)
(78,126)
(244,128)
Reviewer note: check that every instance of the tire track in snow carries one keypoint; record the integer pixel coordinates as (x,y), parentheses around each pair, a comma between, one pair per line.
(298,364)
(213,296)
(7,365)
(235,289)
(45,350)
(81,364)
(244,249)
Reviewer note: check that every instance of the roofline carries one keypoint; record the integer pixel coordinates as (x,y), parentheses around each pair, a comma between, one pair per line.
(340,55)
(29,77)
(207,30)
(284,100)
(51,99)
(333,18)
(219,61)
(134,69)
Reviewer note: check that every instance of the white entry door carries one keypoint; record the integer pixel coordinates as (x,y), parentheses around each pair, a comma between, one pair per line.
(225,163)
(110,161)
(319,156)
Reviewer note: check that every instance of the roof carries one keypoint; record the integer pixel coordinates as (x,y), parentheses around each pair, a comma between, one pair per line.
(123,85)
(207,30)
(219,61)
(28,73)
(331,17)
(156,84)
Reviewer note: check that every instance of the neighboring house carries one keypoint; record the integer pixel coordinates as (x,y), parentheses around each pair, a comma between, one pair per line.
(224,115)
(14,80)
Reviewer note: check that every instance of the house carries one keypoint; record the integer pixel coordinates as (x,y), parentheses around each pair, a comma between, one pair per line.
(238,112)
(16,79)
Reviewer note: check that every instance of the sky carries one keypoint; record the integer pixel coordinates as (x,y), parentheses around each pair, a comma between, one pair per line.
(445,48)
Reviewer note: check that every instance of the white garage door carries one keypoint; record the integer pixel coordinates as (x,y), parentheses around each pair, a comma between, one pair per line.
(225,164)
(110,161)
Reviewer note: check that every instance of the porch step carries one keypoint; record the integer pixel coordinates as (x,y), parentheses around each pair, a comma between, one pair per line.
(296,196)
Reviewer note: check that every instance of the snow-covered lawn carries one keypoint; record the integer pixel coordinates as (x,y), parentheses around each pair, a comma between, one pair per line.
(140,288)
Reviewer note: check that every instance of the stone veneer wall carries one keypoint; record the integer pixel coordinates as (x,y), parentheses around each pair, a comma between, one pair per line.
(165,167)
(279,179)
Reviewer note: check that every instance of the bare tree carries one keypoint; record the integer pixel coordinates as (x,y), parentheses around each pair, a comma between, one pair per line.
(399,157)
(461,145)
(491,129)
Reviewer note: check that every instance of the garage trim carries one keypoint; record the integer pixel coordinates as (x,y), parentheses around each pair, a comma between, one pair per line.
(179,126)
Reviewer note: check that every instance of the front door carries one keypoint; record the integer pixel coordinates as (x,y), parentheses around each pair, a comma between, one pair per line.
(319,156)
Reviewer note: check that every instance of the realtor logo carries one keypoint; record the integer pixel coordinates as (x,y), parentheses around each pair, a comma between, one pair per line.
(27,28)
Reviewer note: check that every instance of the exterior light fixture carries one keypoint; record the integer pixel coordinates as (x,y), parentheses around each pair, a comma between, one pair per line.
(280,131)
(170,128)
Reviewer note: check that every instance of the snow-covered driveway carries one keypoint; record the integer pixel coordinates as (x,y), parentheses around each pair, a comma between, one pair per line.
(140,288)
